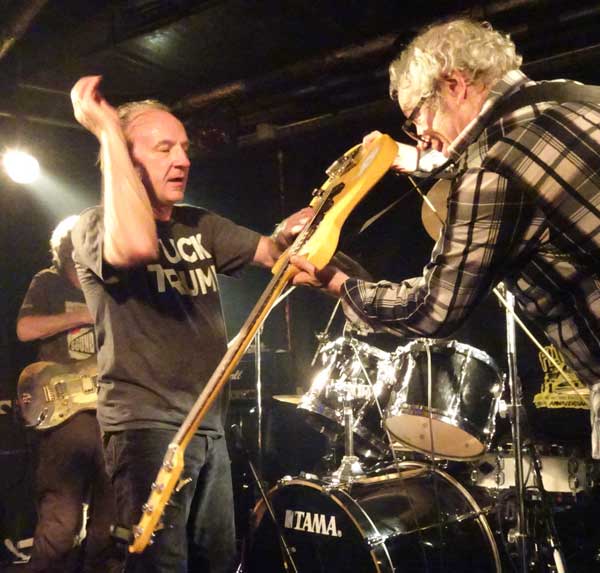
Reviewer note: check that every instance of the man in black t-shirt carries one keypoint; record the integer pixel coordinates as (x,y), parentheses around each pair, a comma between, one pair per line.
(148,270)
(70,465)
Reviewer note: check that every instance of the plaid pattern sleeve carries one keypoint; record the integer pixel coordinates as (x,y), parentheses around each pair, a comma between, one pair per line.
(525,208)
(486,219)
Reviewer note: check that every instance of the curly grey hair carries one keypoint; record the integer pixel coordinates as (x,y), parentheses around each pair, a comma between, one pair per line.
(481,53)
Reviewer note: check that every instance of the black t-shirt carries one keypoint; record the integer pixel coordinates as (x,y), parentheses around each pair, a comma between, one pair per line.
(50,293)
(160,326)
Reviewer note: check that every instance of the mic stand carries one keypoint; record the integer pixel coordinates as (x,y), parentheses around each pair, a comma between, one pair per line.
(519,535)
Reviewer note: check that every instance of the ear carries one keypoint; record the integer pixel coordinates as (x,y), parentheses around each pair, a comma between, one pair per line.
(456,85)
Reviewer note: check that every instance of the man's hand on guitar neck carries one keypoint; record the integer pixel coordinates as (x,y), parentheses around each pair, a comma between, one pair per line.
(330,278)
(270,248)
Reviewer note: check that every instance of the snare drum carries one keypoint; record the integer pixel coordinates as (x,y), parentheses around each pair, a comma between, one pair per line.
(445,399)
(363,376)
(415,520)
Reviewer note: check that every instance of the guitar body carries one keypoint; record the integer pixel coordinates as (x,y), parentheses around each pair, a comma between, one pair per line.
(350,178)
(49,393)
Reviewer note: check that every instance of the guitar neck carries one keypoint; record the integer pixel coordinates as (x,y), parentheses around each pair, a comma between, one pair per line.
(234,354)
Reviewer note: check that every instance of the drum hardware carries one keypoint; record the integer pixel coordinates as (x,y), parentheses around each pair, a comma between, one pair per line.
(259,398)
(288,561)
(519,534)
(323,337)
(548,518)
(350,466)
(256,346)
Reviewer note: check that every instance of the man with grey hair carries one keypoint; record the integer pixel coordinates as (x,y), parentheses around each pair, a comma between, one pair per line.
(148,268)
(524,204)
(70,466)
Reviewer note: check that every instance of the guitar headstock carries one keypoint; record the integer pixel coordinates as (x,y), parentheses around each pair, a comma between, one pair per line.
(162,489)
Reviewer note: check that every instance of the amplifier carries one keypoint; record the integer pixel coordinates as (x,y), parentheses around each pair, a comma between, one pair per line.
(275,373)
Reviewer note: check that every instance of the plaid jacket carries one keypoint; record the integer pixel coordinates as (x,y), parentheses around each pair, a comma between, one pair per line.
(525,209)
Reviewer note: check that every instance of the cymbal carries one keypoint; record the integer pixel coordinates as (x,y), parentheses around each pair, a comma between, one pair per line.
(438,197)
(289,398)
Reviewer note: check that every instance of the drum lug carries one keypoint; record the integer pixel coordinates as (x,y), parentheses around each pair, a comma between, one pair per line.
(474,475)
(502,409)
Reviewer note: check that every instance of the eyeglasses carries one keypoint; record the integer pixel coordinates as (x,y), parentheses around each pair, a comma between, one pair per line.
(409,127)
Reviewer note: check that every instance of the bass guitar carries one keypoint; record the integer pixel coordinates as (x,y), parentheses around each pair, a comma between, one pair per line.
(349,179)
(49,393)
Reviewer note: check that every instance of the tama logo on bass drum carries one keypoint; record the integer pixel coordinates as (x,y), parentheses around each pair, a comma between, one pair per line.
(311,522)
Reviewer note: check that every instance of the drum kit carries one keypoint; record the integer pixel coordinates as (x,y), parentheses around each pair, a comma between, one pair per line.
(425,484)
(420,487)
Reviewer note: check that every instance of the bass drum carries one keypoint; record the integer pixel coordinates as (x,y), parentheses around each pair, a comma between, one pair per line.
(416,519)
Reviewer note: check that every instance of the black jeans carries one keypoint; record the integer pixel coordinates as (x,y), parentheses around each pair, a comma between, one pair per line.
(70,471)
(199,532)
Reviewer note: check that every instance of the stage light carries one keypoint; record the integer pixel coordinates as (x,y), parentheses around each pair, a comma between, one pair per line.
(20,166)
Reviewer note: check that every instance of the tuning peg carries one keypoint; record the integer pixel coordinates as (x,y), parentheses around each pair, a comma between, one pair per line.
(123,535)
(147,508)
(182,482)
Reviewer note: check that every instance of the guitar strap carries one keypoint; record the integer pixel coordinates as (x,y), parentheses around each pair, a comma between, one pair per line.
(556,91)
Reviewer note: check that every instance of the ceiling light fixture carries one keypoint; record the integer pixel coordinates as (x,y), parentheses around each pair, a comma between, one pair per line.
(20,166)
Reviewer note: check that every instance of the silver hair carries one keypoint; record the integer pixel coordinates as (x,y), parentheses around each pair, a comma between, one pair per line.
(481,53)
(129,111)
(61,247)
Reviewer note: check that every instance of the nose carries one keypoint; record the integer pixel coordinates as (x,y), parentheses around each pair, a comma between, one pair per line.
(181,158)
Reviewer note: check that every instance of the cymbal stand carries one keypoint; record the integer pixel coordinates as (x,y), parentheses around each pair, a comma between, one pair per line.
(518,535)
(323,336)
(259,400)
(258,377)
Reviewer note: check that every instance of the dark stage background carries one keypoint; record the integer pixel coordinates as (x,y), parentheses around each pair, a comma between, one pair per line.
(258,154)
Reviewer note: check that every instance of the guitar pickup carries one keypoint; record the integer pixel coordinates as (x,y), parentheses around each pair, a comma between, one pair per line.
(61,389)
(49,394)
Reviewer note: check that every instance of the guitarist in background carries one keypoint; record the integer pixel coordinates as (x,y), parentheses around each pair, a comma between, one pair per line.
(70,465)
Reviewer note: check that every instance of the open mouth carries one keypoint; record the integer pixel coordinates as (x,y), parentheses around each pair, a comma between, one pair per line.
(435,141)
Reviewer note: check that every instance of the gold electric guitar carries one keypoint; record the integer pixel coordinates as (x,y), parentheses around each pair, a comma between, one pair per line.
(349,180)
(49,393)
